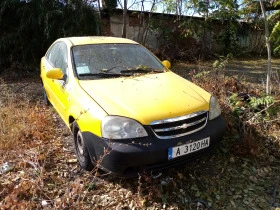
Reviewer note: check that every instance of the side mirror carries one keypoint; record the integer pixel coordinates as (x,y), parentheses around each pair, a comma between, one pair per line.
(55,73)
(166,63)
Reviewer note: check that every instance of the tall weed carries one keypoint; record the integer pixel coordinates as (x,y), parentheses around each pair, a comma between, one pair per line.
(21,121)
(251,116)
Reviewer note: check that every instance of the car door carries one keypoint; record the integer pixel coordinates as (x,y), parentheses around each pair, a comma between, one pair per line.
(58,58)
(47,63)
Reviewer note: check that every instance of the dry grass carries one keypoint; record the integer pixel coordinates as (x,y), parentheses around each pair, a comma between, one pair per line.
(21,121)
(26,131)
(256,128)
(13,119)
(45,174)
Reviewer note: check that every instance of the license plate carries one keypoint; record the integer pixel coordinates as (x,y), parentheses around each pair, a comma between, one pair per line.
(185,149)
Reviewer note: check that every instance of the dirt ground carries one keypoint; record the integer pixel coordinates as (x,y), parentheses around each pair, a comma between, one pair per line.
(250,70)
(227,179)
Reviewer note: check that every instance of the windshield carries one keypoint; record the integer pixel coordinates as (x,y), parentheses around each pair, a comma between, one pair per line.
(105,60)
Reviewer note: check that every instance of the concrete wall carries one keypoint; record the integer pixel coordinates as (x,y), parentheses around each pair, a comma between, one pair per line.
(136,30)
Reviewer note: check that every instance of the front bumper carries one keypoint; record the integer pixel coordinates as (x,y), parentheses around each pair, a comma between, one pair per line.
(126,157)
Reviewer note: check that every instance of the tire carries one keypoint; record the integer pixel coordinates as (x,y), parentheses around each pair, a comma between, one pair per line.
(45,97)
(81,148)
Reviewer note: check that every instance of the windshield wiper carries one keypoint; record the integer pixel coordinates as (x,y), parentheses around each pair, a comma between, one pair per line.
(100,74)
(127,72)
(141,70)
(110,69)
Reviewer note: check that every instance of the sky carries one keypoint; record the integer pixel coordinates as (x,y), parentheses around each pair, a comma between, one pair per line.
(160,7)
(136,5)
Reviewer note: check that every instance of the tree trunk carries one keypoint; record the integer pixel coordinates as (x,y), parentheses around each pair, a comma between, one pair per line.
(124,19)
(100,18)
(268,89)
(205,44)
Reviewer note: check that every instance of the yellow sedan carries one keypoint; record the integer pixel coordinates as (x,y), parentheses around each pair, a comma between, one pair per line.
(127,111)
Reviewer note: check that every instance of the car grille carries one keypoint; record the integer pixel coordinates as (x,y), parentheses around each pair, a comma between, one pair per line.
(180,126)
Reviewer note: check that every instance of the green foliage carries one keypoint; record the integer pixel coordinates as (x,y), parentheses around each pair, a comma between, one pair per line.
(222,61)
(251,12)
(28,29)
(110,4)
(274,19)
(258,103)
(170,6)
(201,74)
(202,7)
(225,10)
(257,108)
(237,109)
(229,38)
(227,13)
(221,21)
(275,38)
(181,39)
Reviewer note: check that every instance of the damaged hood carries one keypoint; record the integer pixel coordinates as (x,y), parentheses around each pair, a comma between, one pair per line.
(148,97)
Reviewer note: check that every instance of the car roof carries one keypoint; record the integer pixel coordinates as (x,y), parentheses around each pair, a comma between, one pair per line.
(97,40)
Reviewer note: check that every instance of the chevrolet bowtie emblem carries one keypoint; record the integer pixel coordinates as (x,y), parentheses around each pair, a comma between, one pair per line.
(184,126)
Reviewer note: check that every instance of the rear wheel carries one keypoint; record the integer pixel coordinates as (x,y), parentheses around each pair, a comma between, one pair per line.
(45,97)
(81,149)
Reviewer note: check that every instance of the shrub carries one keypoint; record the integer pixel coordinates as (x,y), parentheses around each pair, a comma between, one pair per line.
(28,29)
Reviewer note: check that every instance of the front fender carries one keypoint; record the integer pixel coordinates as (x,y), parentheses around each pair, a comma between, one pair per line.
(89,119)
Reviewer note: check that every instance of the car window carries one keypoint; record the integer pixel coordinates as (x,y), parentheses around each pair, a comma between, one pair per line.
(61,59)
(52,53)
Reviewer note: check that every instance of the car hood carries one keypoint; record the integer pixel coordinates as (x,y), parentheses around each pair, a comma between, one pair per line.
(148,97)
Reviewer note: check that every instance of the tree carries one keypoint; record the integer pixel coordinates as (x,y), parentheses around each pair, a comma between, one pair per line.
(109,4)
(124,19)
(28,29)
(275,34)
(268,89)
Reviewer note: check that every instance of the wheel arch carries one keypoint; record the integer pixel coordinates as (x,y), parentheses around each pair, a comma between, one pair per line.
(73,116)
(71,120)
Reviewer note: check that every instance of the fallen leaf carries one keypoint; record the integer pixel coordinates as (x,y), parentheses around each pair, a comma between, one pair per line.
(72,161)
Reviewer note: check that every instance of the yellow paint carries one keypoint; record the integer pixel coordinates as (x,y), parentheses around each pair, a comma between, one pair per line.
(167,64)
(149,97)
(55,73)
(97,40)
(145,98)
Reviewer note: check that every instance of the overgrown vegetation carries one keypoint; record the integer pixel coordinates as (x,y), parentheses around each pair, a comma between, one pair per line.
(22,121)
(254,116)
(225,26)
(38,168)
(28,29)
(177,39)
(242,174)
(275,33)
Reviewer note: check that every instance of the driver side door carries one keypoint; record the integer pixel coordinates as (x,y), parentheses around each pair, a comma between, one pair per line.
(57,57)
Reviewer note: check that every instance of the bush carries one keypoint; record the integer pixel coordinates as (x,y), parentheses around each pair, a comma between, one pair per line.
(28,29)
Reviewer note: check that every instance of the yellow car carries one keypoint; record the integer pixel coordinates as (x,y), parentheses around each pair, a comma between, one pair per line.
(127,111)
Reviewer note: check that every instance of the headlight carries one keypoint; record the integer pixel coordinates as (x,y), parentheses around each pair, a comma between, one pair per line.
(215,109)
(114,127)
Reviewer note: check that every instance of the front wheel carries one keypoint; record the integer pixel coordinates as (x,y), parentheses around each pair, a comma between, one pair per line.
(81,149)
